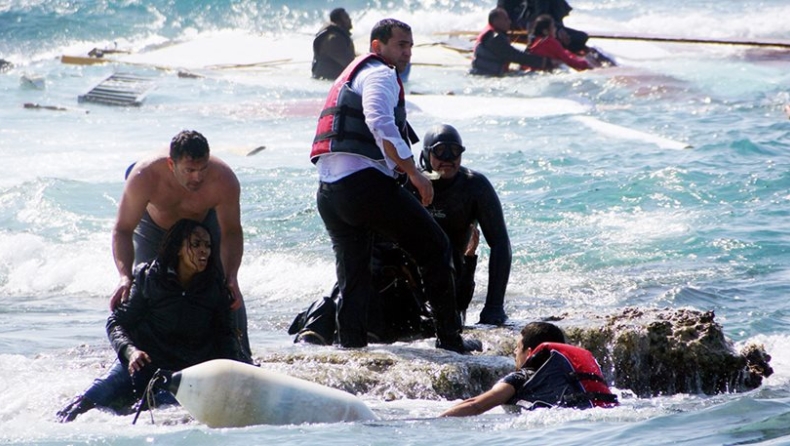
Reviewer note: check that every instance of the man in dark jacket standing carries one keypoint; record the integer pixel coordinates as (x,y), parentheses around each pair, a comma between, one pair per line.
(333,48)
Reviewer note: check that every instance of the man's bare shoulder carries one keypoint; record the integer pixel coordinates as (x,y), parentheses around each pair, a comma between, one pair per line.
(224,173)
(149,169)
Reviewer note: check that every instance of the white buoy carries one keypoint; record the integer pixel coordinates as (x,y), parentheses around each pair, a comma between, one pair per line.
(224,393)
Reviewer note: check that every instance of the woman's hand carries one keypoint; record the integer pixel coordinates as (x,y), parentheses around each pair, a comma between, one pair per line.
(137,360)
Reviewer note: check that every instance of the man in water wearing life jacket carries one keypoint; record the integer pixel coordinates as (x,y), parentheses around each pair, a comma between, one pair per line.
(186,183)
(548,373)
(333,48)
(493,52)
(361,145)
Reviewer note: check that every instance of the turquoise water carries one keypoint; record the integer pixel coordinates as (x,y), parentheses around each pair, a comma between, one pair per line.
(598,220)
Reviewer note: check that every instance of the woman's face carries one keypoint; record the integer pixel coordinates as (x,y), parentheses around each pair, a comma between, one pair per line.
(195,251)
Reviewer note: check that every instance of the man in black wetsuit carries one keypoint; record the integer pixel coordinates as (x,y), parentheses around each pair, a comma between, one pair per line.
(463,199)
(333,48)
(493,52)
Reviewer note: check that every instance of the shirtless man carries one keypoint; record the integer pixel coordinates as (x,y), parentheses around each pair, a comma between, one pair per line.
(189,183)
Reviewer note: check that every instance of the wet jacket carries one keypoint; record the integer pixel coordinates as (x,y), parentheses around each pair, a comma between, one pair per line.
(558,374)
(493,54)
(341,125)
(333,50)
(178,328)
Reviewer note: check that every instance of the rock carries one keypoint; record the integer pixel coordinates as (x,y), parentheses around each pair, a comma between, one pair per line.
(647,351)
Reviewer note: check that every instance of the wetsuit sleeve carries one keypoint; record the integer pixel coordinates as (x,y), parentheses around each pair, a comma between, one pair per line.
(500,45)
(126,316)
(492,224)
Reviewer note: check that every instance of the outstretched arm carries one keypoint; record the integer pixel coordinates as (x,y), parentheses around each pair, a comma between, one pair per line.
(135,198)
(499,394)
(492,223)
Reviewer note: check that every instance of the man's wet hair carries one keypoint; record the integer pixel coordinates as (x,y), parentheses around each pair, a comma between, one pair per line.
(382,31)
(535,333)
(337,14)
(190,144)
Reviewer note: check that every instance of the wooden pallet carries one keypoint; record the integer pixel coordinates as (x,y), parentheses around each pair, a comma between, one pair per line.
(120,89)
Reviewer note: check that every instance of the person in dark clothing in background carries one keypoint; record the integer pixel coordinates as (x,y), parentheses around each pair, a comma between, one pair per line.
(493,52)
(177,315)
(333,48)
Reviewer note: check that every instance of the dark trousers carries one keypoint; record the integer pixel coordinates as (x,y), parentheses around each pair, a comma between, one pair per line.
(368,202)
(118,390)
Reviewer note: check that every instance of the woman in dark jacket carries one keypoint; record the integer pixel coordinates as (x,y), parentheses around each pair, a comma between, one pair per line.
(177,315)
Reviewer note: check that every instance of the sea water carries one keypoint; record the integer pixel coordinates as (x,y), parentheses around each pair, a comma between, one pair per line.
(599,220)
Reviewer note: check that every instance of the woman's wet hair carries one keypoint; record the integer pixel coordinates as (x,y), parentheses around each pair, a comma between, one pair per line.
(190,144)
(541,25)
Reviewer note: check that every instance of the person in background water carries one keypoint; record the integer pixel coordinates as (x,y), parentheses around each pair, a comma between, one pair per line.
(544,43)
(189,183)
(361,146)
(493,52)
(463,199)
(549,372)
(177,315)
(573,40)
(333,48)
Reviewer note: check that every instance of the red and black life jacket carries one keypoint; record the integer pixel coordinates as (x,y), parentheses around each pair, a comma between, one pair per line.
(484,61)
(341,125)
(568,375)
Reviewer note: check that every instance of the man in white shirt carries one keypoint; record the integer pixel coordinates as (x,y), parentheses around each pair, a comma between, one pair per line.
(361,144)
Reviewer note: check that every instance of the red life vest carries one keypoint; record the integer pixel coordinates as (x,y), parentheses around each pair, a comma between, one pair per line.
(585,369)
(341,125)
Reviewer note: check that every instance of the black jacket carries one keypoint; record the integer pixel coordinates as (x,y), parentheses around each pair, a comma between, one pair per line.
(178,328)
(493,53)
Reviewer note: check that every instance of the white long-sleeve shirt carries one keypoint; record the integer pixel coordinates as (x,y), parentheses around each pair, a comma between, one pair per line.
(378,85)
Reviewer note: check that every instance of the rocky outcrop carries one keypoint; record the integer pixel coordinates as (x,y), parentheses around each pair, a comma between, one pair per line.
(648,352)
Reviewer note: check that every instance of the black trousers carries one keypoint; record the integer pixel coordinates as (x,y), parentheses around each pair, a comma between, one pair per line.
(366,203)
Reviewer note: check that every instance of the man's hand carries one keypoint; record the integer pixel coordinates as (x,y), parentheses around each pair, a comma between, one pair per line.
(137,360)
(236,298)
(121,293)
(423,185)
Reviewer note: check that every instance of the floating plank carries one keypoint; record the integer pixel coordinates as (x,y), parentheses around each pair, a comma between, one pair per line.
(120,89)
(724,41)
